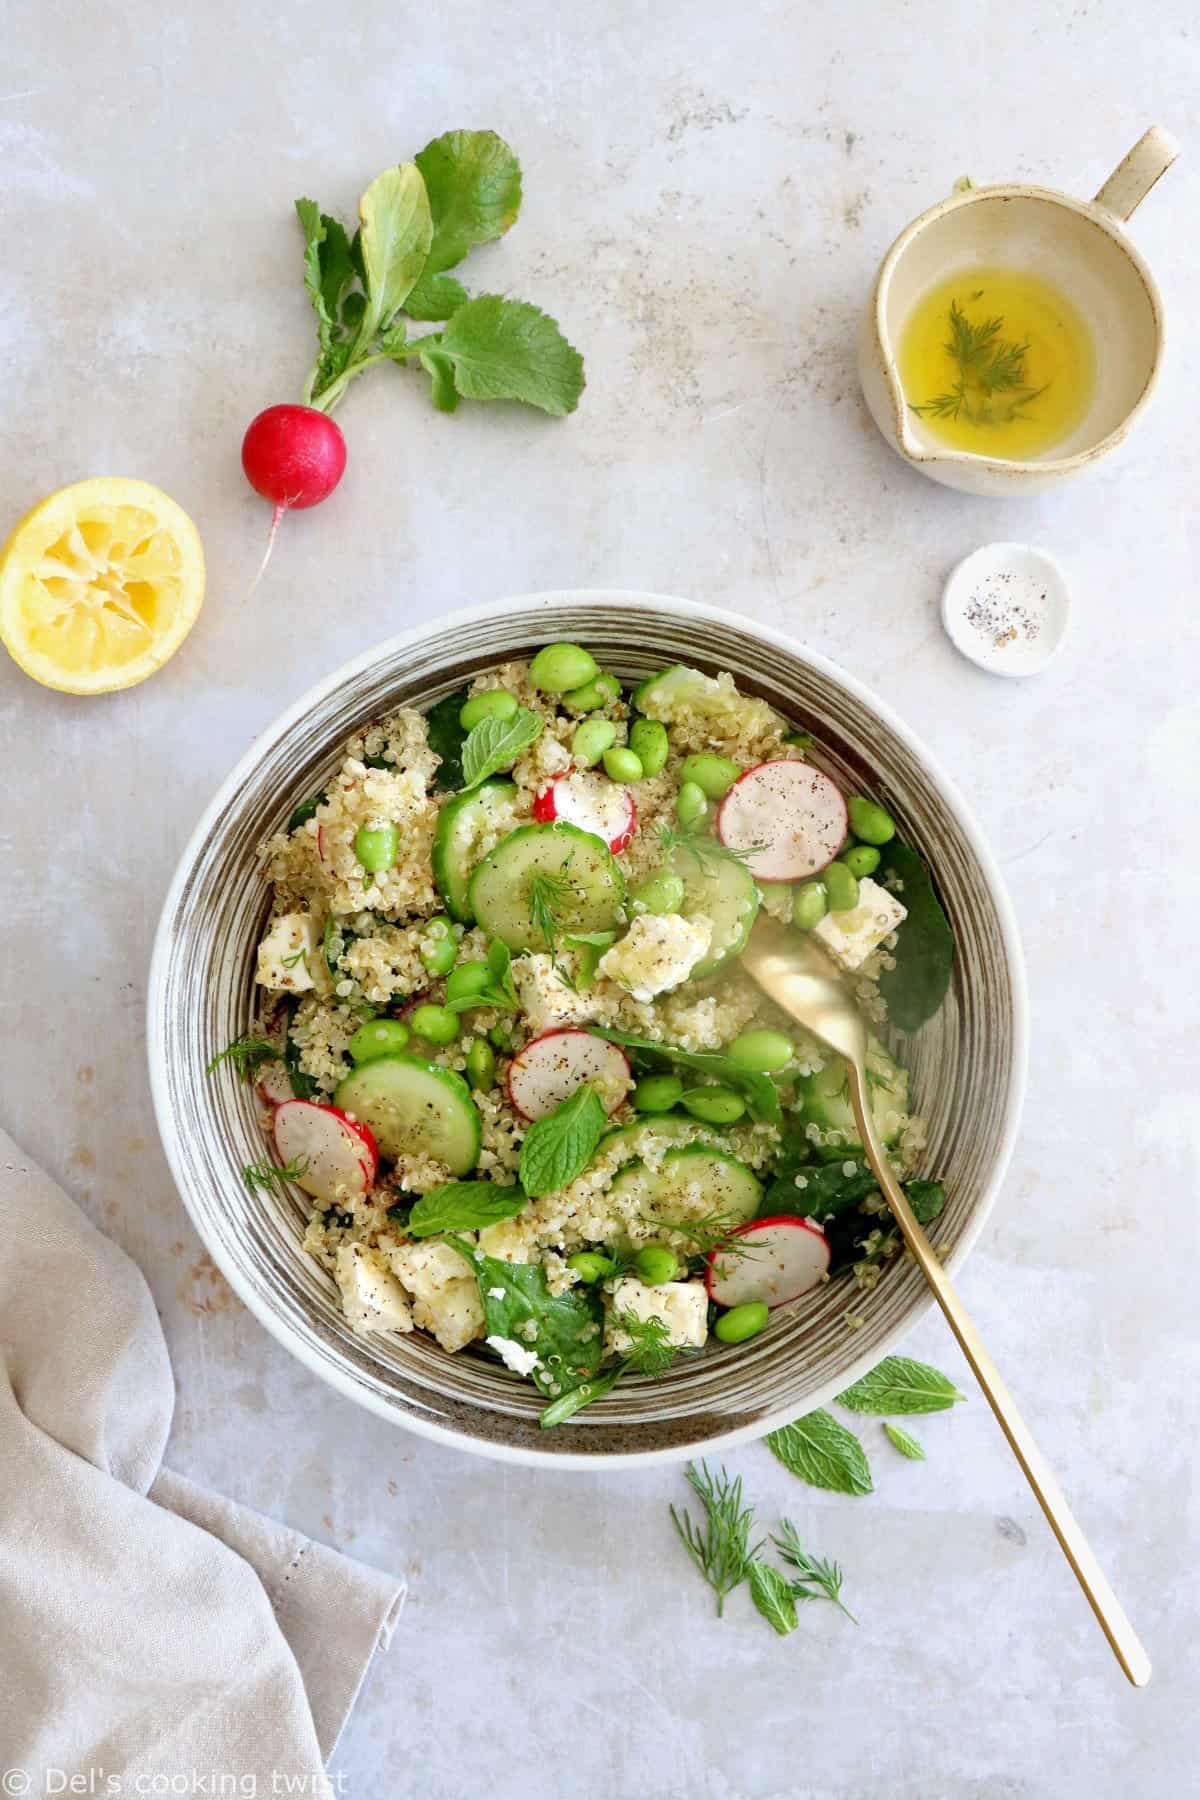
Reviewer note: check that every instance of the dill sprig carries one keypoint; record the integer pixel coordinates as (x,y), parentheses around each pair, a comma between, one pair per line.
(650,1350)
(986,366)
(548,895)
(263,1177)
(720,1547)
(816,1577)
(698,844)
(247,1054)
(716,1231)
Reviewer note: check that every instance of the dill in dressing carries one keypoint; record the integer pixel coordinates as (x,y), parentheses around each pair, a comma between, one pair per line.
(997,361)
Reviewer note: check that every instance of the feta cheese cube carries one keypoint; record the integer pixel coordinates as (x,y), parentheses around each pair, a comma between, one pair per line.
(445,1294)
(657,952)
(850,937)
(371,1296)
(682,1307)
(546,1000)
(290,956)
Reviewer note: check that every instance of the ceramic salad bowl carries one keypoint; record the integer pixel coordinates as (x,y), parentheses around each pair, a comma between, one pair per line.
(967,1064)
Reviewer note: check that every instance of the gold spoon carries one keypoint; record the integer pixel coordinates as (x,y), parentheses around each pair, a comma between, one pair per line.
(801,979)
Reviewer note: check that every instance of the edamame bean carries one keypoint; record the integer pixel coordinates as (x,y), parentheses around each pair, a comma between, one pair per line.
(648,740)
(690,805)
(434,1023)
(869,822)
(469,979)
(657,1093)
(500,1038)
(378,1037)
(493,703)
(560,668)
(656,1264)
(862,860)
(810,904)
(841,887)
(661,892)
(590,740)
(762,1051)
(715,775)
(481,1064)
(438,954)
(590,1265)
(594,694)
(622,765)
(714,1105)
(376,847)
(741,1322)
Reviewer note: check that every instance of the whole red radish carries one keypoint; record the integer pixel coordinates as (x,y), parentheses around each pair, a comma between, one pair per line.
(293,456)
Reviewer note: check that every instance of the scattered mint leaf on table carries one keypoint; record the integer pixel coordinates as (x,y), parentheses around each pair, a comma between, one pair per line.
(559,1147)
(464,1206)
(772,1595)
(495,744)
(904,1442)
(819,1450)
(901,1385)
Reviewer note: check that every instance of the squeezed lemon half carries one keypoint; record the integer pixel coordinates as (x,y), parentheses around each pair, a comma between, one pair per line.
(99,585)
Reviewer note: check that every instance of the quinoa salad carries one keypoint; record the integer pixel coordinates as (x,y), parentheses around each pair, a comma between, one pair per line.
(505,1047)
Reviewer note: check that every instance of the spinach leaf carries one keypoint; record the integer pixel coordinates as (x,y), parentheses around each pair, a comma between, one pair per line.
(822,1452)
(446,739)
(924,951)
(900,1385)
(306,810)
(565,1331)
(303,1086)
(559,1147)
(464,1206)
(818,1192)
(759,1090)
(927,1198)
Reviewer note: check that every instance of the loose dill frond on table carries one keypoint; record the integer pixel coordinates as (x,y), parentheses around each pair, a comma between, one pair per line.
(720,1547)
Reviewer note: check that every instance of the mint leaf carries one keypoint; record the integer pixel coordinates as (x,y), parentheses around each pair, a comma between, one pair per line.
(758,1089)
(900,1385)
(559,1147)
(818,1450)
(500,992)
(435,297)
(773,1597)
(474,184)
(396,233)
(924,953)
(565,1331)
(495,744)
(905,1443)
(509,350)
(464,1206)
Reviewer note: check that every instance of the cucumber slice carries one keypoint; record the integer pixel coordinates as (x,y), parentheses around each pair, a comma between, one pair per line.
(662,696)
(722,890)
(414,1108)
(648,1134)
(826,1099)
(707,1180)
(589,888)
(461,824)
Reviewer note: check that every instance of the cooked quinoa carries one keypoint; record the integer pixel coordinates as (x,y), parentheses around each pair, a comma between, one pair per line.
(429,973)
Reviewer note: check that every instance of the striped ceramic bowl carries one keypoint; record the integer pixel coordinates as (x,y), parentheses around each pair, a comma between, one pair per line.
(967,1064)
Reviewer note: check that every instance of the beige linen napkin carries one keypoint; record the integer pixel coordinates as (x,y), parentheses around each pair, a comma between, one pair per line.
(146,1628)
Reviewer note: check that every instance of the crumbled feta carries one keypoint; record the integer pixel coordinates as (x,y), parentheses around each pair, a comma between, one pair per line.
(681,1305)
(521,1362)
(290,957)
(850,937)
(445,1297)
(545,998)
(496,1293)
(657,952)
(372,1297)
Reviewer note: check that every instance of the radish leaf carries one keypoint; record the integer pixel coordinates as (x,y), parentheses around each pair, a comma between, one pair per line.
(509,350)
(474,185)
(900,1385)
(819,1450)
(435,297)
(396,233)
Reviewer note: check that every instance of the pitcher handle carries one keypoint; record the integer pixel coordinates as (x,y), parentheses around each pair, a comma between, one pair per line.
(1133,178)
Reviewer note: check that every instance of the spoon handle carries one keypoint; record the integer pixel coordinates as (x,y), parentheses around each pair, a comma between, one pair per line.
(1123,1639)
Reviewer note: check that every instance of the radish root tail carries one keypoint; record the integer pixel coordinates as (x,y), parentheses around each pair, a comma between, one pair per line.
(281,507)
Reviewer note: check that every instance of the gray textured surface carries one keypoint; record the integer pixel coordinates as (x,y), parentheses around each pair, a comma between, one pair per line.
(707,195)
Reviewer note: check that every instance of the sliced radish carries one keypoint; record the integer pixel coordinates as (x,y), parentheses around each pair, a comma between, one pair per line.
(553,1066)
(411,1004)
(275,1084)
(787,819)
(784,1257)
(593,803)
(336,1154)
(321,842)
